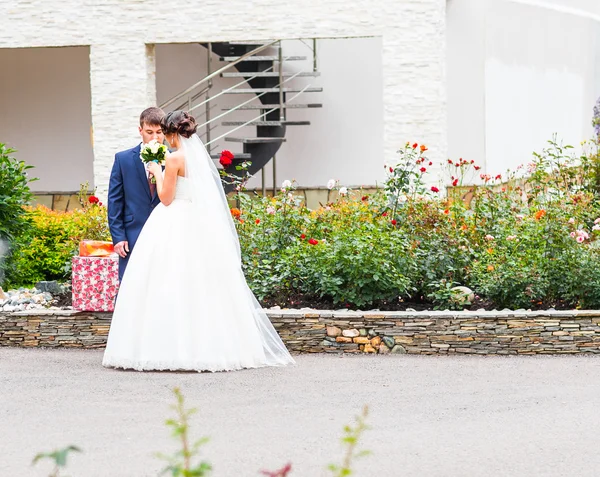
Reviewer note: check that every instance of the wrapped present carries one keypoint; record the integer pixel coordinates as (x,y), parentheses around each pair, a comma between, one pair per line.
(95,248)
(95,282)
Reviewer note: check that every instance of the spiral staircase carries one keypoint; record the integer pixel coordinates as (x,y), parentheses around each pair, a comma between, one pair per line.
(263,71)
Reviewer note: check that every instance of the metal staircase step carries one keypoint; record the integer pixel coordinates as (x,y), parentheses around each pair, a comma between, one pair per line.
(270,74)
(266,123)
(250,42)
(264,58)
(239,155)
(255,140)
(272,90)
(276,106)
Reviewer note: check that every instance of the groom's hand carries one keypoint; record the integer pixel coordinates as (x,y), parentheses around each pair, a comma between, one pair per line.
(122,248)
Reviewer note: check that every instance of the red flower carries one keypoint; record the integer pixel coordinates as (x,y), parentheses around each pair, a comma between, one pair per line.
(394,222)
(476,167)
(498,177)
(93,199)
(302,236)
(100,204)
(415,145)
(450,161)
(226,158)
(434,189)
(430,163)
(384,214)
(391,169)
(313,241)
(423,169)
(364,197)
(455,183)
(258,221)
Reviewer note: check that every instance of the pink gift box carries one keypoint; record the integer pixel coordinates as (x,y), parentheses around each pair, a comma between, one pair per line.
(95,282)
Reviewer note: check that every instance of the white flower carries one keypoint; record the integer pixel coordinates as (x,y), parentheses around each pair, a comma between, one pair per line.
(154,147)
(489,237)
(271,210)
(343,190)
(286,184)
(571,220)
(596,227)
(331,184)
(597,221)
(511,237)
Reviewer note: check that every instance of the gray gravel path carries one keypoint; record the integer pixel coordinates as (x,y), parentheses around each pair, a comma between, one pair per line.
(430,416)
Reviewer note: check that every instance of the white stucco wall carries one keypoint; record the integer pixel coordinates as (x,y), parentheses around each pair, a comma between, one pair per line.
(520,71)
(45,114)
(122,68)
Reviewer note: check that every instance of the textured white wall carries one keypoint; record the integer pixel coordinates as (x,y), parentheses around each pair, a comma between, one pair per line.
(412,32)
(45,114)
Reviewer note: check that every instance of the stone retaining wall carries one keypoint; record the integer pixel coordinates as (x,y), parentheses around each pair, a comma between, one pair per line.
(312,331)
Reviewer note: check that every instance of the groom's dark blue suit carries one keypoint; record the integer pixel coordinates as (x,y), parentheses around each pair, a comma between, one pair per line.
(130,202)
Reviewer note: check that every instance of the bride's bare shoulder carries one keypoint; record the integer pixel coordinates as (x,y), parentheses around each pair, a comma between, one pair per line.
(175,158)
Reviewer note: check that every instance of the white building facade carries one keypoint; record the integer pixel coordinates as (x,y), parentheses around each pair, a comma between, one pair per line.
(489,80)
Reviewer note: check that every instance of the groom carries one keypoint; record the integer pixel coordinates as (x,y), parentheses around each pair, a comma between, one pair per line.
(131,195)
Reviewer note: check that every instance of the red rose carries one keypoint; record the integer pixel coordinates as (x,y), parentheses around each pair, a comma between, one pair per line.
(415,145)
(476,167)
(313,241)
(384,214)
(100,204)
(394,222)
(93,199)
(226,158)
(450,161)
(257,221)
(498,177)
(391,169)
(364,197)
(434,189)
(302,236)
(430,163)
(423,170)
(455,183)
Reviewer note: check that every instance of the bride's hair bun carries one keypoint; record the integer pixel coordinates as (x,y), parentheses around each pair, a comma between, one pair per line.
(179,122)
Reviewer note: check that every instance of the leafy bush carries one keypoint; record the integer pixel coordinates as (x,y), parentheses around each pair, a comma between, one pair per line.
(43,250)
(14,193)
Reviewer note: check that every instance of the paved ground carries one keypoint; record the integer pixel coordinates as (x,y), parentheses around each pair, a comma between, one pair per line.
(430,416)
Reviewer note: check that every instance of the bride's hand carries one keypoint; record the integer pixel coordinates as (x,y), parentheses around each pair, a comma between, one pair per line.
(154,169)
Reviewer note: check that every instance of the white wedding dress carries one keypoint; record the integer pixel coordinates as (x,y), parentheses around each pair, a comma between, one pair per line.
(184,303)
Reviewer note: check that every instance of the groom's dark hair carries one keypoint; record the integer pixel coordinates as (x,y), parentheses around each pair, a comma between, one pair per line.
(151,116)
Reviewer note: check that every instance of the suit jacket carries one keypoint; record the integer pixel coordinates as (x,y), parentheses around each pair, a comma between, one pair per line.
(129,200)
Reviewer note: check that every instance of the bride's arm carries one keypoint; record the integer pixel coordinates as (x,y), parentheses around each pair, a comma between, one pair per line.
(165,186)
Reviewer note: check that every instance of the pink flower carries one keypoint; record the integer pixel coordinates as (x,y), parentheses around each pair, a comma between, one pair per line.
(271,210)
(489,237)
(572,234)
(597,221)
(520,216)
(511,237)
(580,239)
(571,220)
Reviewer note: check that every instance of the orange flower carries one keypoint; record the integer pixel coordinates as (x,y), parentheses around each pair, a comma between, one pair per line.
(539,214)
(490,250)
(490,268)
(423,147)
(463,227)
(447,211)
(236,212)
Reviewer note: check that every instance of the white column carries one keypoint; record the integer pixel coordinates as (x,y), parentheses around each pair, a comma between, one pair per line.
(123,84)
(414,67)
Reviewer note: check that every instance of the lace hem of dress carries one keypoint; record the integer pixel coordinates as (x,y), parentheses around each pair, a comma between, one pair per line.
(124,363)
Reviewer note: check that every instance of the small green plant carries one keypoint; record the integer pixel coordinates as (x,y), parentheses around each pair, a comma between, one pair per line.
(59,457)
(181,463)
(352,435)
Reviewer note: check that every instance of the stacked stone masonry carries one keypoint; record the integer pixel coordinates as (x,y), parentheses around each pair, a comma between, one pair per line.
(312,331)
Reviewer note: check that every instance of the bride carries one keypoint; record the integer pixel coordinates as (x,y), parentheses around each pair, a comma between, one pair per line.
(184,303)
